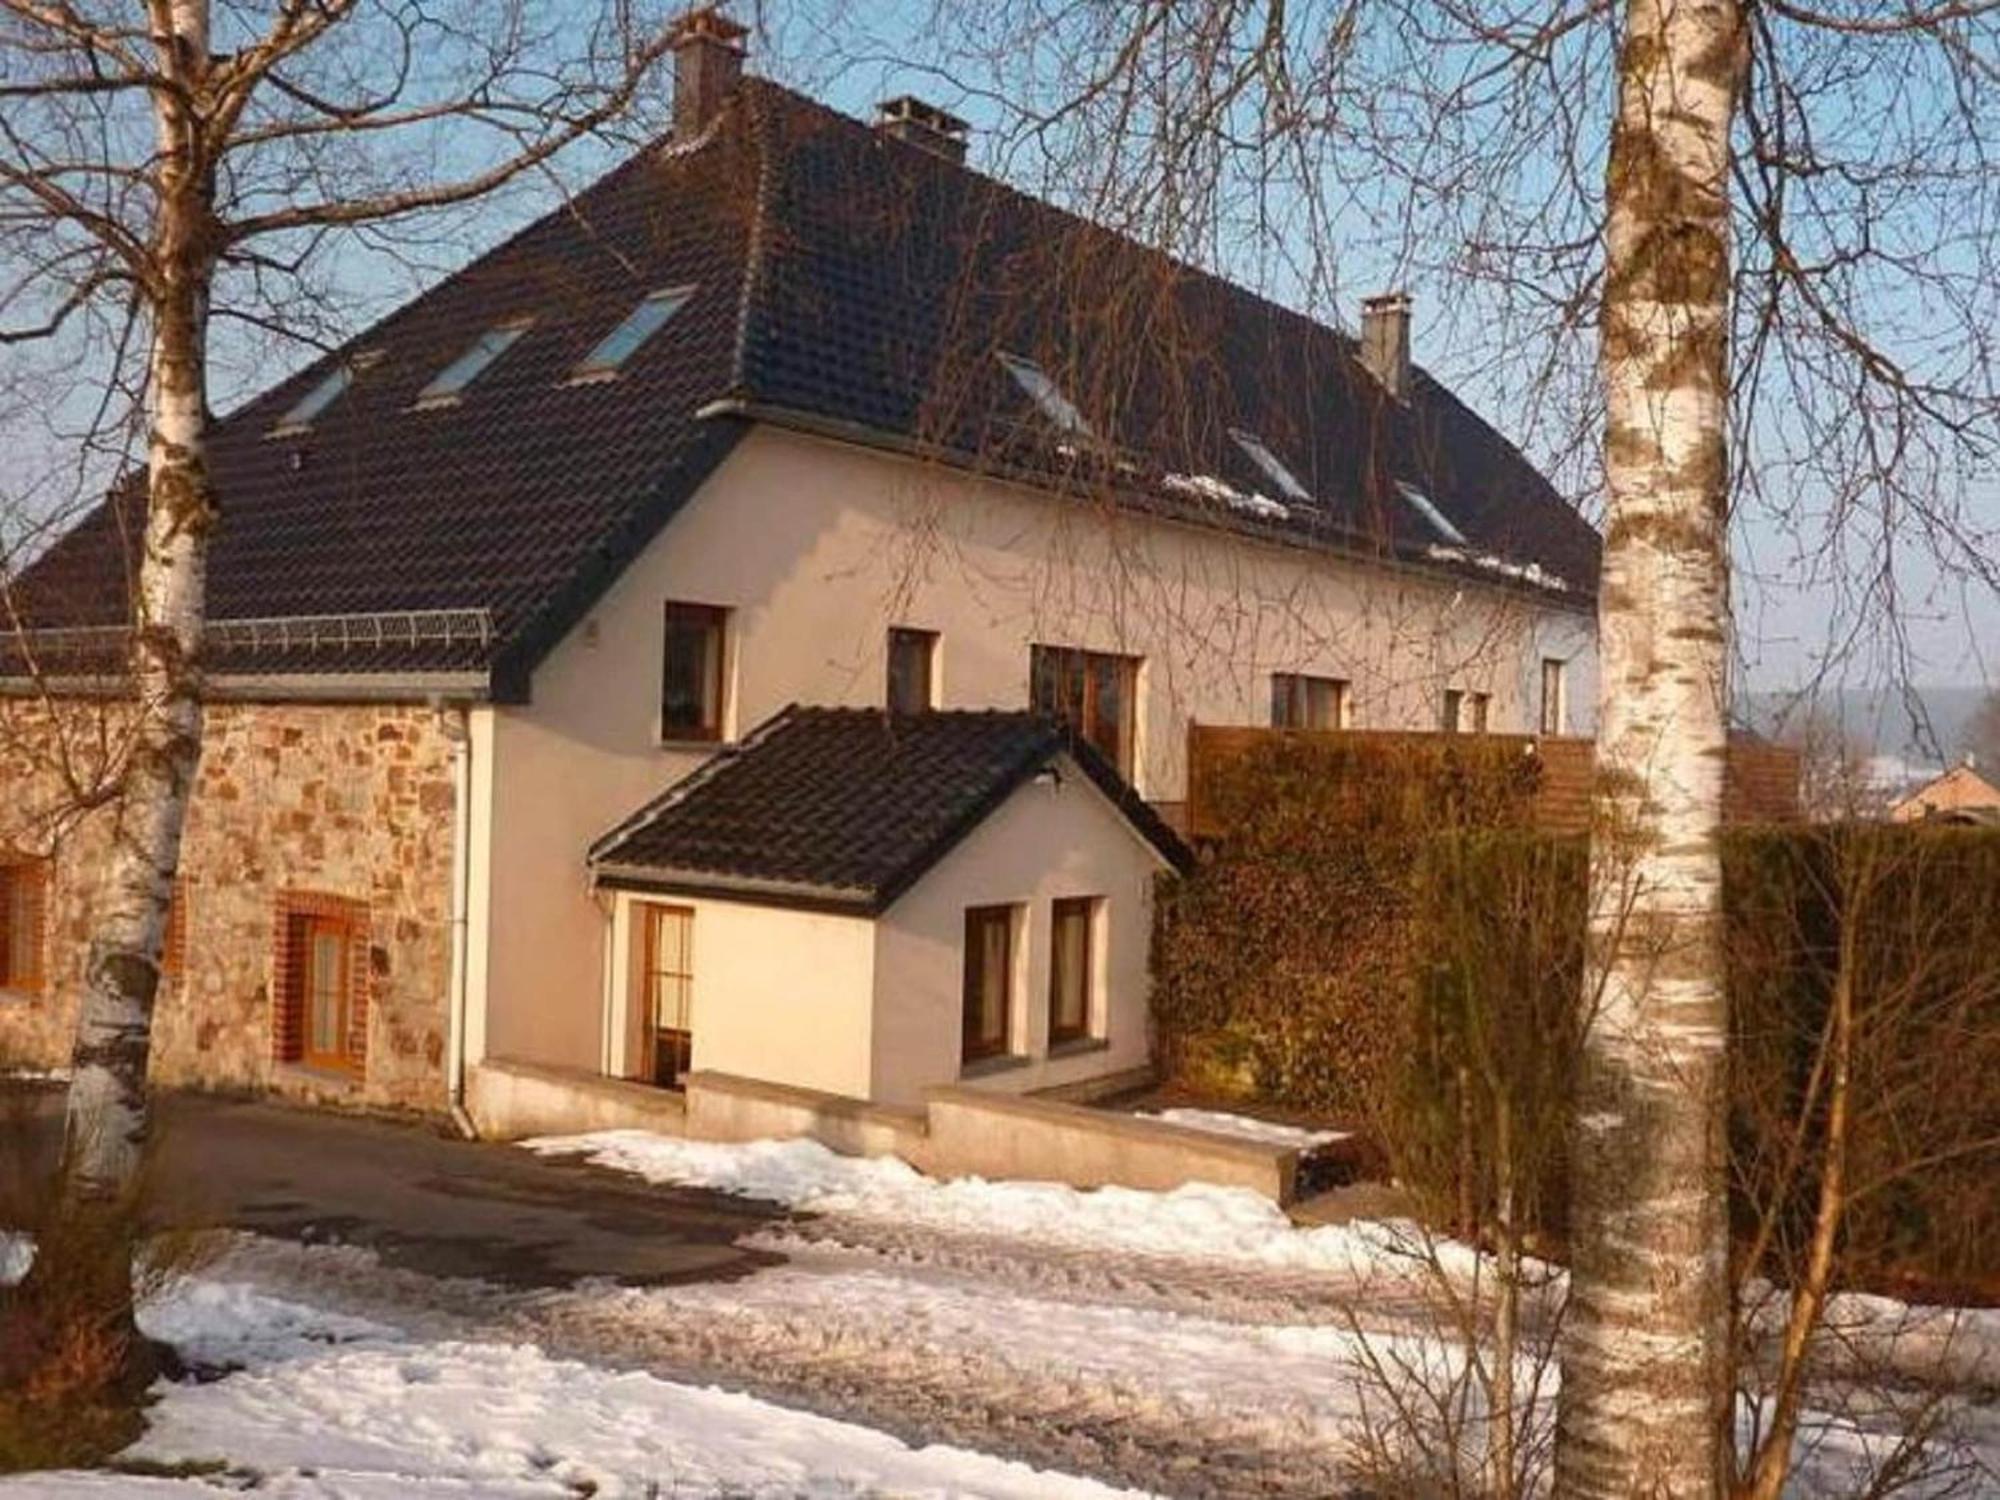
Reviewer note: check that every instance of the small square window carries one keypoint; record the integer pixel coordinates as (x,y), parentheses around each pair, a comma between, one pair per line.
(989,982)
(1072,967)
(691,672)
(912,670)
(450,382)
(1302,702)
(1466,712)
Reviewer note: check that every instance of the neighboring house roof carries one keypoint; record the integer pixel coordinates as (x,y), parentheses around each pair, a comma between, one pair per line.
(846,808)
(1960,793)
(841,278)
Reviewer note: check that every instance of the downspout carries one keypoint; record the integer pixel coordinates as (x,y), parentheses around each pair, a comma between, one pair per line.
(457,730)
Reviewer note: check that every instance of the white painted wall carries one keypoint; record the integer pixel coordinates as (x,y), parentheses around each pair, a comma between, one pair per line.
(1050,839)
(779,994)
(818,548)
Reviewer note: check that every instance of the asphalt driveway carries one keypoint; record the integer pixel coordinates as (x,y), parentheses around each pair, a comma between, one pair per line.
(419,1199)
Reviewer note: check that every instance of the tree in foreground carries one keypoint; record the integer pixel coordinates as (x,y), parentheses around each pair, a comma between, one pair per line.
(1722,258)
(168,164)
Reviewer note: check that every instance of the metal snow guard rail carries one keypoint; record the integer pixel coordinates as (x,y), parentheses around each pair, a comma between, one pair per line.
(410,627)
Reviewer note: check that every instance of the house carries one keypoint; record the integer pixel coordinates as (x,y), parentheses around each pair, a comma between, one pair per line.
(844,867)
(1960,795)
(787,409)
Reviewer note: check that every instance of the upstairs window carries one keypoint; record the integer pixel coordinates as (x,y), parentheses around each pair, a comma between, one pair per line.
(24,888)
(332,386)
(451,381)
(619,345)
(691,672)
(1272,466)
(912,670)
(1302,702)
(1465,712)
(1424,506)
(1046,394)
(1093,692)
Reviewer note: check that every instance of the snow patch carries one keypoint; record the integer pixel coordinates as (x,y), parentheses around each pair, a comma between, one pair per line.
(1221,491)
(1199,1221)
(1529,572)
(17,1253)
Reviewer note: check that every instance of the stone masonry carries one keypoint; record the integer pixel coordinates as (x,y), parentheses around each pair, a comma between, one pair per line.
(297,807)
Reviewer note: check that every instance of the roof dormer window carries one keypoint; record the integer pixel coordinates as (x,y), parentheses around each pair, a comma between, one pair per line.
(1424,506)
(1272,466)
(450,382)
(332,386)
(1046,394)
(619,345)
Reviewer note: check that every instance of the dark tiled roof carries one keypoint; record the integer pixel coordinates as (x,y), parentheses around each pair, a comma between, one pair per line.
(842,277)
(845,808)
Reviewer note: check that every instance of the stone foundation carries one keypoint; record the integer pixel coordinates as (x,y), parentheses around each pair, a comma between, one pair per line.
(349,802)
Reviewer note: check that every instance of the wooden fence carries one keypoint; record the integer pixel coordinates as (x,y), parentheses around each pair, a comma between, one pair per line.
(1760,785)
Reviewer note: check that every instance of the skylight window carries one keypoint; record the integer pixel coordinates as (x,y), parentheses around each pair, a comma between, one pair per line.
(1046,394)
(1427,508)
(1273,466)
(332,386)
(450,382)
(645,320)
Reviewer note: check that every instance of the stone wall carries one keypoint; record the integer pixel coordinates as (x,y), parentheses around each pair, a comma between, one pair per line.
(349,802)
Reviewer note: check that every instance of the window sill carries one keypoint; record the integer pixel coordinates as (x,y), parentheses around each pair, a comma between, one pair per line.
(985,1067)
(685,742)
(342,1078)
(1078,1045)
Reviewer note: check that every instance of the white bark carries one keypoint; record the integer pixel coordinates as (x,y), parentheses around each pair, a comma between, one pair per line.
(107,1113)
(1642,1408)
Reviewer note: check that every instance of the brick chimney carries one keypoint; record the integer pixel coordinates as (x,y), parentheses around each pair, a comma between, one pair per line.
(1385,341)
(708,62)
(925,126)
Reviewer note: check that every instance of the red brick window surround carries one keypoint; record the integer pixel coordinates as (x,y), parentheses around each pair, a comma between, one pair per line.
(24,904)
(319,981)
(173,952)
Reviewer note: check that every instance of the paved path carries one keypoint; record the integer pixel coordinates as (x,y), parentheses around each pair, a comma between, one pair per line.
(420,1200)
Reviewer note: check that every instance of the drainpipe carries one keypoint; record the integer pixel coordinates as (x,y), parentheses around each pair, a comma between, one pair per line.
(457,730)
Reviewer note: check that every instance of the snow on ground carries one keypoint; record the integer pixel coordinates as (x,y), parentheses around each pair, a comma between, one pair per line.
(1246,1128)
(325,1404)
(1199,1221)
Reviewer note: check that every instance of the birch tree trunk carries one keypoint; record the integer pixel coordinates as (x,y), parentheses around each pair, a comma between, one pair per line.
(1642,1406)
(107,1113)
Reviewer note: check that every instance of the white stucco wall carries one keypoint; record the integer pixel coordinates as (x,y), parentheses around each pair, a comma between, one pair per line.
(1050,839)
(817,548)
(778,994)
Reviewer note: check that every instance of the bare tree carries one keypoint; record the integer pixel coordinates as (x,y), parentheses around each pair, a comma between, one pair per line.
(1980,738)
(1691,238)
(167,164)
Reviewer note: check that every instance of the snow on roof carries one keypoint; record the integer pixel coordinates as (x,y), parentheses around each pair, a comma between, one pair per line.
(1221,491)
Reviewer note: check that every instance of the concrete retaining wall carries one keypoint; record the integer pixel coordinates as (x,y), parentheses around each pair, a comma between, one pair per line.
(510,1101)
(723,1107)
(975,1134)
(959,1132)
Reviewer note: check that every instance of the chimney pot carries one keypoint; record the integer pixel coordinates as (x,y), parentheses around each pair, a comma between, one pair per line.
(924,126)
(1385,341)
(708,64)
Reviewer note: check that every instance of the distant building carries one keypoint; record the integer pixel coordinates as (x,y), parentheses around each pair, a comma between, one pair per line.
(1960,795)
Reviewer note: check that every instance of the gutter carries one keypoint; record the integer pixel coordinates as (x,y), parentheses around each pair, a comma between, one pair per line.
(862,435)
(458,730)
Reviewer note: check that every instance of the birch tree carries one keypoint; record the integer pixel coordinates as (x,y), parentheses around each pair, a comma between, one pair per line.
(1643,1406)
(169,162)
